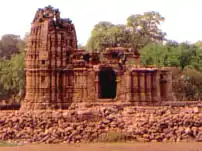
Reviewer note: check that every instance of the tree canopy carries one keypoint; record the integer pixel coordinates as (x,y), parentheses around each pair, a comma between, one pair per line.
(140,30)
(12,65)
(10,44)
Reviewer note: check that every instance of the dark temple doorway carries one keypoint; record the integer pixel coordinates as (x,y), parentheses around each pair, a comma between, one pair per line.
(107,83)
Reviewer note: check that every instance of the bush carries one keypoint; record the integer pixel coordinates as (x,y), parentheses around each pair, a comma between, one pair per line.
(187,84)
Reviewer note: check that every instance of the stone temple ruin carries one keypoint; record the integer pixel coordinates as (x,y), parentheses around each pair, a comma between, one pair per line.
(59,74)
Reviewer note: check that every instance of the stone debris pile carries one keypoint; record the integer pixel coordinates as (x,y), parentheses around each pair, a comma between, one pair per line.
(142,124)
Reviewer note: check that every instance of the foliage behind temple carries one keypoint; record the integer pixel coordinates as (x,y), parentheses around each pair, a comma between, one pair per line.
(139,31)
(12,66)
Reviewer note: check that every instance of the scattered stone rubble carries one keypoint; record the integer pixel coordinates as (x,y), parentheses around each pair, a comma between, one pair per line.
(141,124)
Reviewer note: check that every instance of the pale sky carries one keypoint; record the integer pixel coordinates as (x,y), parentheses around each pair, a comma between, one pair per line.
(183,18)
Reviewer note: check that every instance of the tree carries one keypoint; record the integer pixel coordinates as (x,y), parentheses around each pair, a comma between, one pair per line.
(188,52)
(10,44)
(139,31)
(99,35)
(144,29)
(12,66)
(12,75)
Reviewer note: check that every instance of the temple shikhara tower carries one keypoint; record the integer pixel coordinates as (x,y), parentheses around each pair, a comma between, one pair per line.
(58,74)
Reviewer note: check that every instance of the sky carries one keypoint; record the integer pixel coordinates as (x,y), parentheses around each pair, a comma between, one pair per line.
(183,18)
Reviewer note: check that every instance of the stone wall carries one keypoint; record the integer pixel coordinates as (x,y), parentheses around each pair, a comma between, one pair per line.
(86,123)
(150,86)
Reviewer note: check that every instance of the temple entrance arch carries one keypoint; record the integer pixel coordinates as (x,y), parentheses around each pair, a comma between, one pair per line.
(107,83)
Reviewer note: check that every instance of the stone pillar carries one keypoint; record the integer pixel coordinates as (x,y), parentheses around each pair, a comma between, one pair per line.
(165,81)
(37,87)
(28,85)
(170,94)
(85,85)
(163,85)
(30,81)
(65,93)
(158,89)
(80,85)
(40,87)
(53,87)
(53,51)
(128,86)
(142,85)
(70,86)
(166,85)
(34,83)
(97,85)
(63,86)
(135,93)
(118,85)
(57,88)
(58,52)
(154,86)
(91,80)
(64,57)
(31,85)
(148,86)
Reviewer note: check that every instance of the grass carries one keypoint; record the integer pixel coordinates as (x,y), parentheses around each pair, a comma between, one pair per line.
(4,144)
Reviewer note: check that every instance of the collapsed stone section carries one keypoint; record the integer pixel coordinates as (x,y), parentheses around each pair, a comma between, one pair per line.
(58,74)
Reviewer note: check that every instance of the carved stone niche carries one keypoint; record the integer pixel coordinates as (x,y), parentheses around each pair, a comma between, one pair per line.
(43,57)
